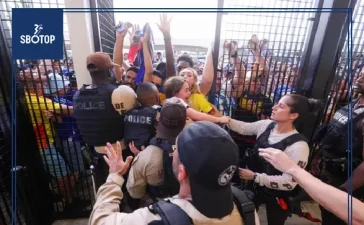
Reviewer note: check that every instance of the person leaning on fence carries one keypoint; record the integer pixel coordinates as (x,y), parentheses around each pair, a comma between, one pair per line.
(65,125)
(203,163)
(99,108)
(39,109)
(268,184)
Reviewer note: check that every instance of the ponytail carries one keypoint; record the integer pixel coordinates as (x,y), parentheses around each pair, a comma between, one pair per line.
(315,106)
(304,107)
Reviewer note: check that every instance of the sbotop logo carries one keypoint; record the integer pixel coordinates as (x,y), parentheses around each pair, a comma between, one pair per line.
(37,37)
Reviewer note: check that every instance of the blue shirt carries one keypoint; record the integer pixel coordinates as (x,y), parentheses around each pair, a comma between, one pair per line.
(68,127)
(282,90)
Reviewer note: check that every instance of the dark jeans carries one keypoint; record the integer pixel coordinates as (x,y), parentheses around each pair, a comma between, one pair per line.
(275,214)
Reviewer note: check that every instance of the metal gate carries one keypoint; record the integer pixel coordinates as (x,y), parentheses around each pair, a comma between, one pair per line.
(103,27)
(5,135)
(260,57)
(278,39)
(5,154)
(339,92)
(57,160)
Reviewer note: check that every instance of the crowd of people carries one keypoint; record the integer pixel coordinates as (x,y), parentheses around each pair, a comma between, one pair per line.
(165,151)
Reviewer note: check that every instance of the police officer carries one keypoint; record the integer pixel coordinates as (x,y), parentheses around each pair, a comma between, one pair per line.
(149,167)
(332,143)
(140,122)
(99,107)
(140,126)
(273,187)
(203,162)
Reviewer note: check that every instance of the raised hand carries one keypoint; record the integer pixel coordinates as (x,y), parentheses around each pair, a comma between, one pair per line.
(134,28)
(146,37)
(165,25)
(123,33)
(115,159)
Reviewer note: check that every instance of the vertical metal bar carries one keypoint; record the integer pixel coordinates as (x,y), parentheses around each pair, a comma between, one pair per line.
(308,48)
(322,58)
(95,27)
(215,55)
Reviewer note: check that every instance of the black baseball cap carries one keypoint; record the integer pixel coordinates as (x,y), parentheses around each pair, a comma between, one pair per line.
(210,157)
(171,122)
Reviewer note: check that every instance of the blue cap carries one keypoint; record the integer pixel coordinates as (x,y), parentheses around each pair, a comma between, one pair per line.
(55,83)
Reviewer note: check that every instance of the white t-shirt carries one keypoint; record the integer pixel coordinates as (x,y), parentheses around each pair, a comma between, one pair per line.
(298,152)
(178,101)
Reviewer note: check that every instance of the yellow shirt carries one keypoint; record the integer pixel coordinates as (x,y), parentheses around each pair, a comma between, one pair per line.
(262,103)
(200,103)
(250,106)
(41,124)
(162,97)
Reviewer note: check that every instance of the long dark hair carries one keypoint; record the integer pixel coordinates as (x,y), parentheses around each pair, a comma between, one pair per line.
(303,106)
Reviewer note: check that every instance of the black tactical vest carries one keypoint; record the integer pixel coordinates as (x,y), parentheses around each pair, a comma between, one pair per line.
(258,164)
(335,140)
(170,185)
(139,125)
(96,117)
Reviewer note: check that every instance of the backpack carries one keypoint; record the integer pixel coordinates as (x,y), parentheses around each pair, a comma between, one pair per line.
(170,185)
(172,214)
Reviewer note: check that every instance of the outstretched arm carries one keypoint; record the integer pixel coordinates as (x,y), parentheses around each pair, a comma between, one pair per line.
(207,74)
(331,198)
(165,27)
(237,82)
(198,116)
(118,54)
(147,57)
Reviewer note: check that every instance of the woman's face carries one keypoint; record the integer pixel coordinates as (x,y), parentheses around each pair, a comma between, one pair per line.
(189,78)
(282,112)
(184,93)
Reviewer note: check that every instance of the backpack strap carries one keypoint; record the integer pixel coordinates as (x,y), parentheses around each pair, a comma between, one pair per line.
(245,206)
(171,214)
(266,133)
(170,185)
(290,140)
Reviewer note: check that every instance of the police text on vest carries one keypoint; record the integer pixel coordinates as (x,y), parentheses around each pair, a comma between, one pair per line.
(138,119)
